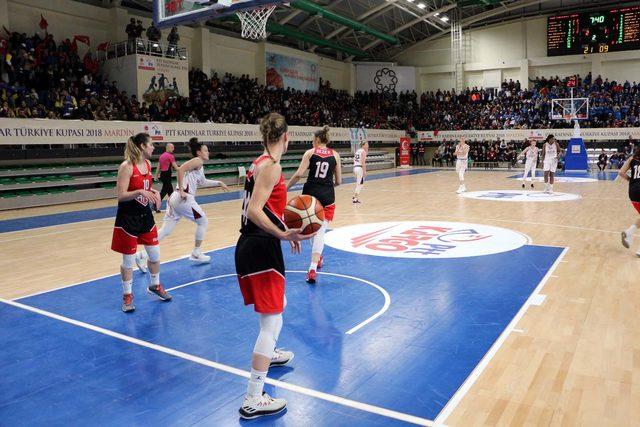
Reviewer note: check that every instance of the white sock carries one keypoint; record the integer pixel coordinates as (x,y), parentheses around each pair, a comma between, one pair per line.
(127,286)
(313,266)
(632,230)
(256,383)
(155,279)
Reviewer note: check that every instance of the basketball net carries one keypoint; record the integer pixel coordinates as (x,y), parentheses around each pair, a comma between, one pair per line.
(254,22)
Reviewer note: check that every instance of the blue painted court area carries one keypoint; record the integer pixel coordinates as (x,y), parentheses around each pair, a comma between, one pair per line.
(607,175)
(443,316)
(28,223)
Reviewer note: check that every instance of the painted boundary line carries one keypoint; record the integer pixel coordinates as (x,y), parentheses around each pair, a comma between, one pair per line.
(110,211)
(229,369)
(484,362)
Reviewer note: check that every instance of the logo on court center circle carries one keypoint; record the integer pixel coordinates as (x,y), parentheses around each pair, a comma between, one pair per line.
(425,239)
(569,179)
(520,196)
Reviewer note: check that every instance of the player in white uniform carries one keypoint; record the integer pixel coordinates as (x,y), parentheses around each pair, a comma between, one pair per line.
(550,152)
(360,168)
(531,155)
(182,203)
(462,159)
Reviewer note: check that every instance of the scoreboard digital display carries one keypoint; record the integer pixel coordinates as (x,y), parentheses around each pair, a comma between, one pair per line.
(595,32)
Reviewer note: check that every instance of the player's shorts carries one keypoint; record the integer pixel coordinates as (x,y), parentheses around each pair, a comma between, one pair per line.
(550,165)
(461,165)
(359,173)
(634,196)
(326,196)
(131,230)
(178,208)
(636,205)
(531,164)
(260,269)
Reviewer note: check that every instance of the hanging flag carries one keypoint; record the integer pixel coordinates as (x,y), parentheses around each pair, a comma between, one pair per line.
(82,39)
(43,23)
(103,46)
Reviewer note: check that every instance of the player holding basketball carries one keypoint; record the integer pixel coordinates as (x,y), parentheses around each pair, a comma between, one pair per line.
(633,165)
(325,173)
(260,264)
(531,155)
(134,220)
(462,159)
(550,152)
(183,204)
(360,169)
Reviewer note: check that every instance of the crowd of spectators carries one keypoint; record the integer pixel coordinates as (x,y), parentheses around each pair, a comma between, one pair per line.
(42,78)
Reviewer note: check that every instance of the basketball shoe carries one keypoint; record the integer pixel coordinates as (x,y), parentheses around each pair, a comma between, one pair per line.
(260,406)
(626,241)
(311,276)
(200,258)
(281,357)
(141,261)
(127,303)
(159,291)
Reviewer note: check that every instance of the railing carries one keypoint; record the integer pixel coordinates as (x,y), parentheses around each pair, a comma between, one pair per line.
(144,47)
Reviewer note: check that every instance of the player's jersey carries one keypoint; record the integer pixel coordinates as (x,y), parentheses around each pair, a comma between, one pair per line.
(532,153)
(322,166)
(464,154)
(634,183)
(551,151)
(358,158)
(192,180)
(138,181)
(273,208)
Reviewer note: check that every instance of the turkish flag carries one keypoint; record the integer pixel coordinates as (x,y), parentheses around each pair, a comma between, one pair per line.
(43,23)
(82,39)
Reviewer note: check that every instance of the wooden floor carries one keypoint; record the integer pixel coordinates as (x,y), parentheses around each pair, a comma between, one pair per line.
(577,359)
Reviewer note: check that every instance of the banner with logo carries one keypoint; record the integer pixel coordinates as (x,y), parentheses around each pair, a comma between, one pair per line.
(588,134)
(356,136)
(405,152)
(160,78)
(42,131)
(385,78)
(286,72)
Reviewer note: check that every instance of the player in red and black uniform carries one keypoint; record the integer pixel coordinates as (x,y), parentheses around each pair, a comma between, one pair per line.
(325,172)
(632,165)
(259,261)
(134,221)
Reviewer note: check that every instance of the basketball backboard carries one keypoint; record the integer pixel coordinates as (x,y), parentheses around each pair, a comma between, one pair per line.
(173,12)
(570,109)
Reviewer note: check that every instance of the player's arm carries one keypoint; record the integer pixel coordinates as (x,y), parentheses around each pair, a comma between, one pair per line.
(338,172)
(364,163)
(304,165)
(190,165)
(157,171)
(174,165)
(524,153)
(265,180)
(544,151)
(207,183)
(622,173)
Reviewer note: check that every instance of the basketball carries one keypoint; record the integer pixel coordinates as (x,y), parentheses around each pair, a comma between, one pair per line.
(304,212)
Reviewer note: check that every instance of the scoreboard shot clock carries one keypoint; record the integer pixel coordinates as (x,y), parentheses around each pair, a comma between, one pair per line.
(595,32)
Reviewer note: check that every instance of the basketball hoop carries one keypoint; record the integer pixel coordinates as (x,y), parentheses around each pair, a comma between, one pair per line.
(254,22)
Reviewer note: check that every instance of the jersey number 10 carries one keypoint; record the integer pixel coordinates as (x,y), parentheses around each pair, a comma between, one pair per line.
(321,169)
(636,172)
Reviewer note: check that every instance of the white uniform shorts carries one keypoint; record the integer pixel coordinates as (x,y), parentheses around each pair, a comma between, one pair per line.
(461,165)
(178,208)
(550,165)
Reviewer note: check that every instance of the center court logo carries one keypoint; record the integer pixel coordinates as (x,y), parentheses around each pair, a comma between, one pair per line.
(520,196)
(425,239)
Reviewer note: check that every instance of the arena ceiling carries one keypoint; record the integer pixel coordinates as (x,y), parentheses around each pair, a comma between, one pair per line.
(408,21)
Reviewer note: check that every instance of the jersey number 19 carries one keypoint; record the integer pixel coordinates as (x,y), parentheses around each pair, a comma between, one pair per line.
(321,169)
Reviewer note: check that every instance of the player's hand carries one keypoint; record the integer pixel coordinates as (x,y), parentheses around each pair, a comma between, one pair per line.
(152,195)
(183,195)
(296,247)
(224,186)
(295,235)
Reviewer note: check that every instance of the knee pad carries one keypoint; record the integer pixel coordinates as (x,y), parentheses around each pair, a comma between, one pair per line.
(153,252)
(128,261)
(318,240)
(270,326)
(201,229)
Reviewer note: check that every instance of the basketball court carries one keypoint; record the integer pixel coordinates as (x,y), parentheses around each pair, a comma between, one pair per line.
(477,312)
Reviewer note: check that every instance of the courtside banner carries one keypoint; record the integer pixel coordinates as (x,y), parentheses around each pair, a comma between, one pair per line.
(587,134)
(405,148)
(43,131)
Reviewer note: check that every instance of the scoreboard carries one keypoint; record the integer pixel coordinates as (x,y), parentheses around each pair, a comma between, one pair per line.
(594,32)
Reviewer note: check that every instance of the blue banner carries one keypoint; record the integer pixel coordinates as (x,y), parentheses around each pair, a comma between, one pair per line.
(286,72)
